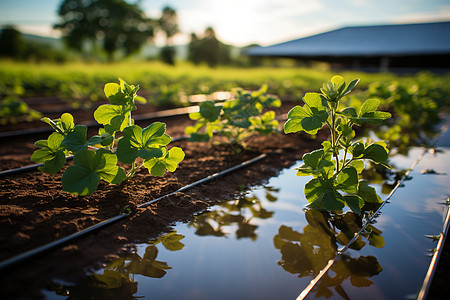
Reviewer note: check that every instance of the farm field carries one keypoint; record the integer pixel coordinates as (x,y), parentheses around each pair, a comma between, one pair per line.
(418,103)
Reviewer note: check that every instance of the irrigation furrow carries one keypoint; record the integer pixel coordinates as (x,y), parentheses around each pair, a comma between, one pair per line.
(313,282)
(8,263)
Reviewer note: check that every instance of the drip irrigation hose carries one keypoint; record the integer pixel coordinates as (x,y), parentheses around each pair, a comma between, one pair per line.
(8,263)
(36,166)
(142,117)
(313,282)
(423,294)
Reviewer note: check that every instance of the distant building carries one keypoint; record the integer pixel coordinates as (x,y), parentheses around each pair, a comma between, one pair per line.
(383,47)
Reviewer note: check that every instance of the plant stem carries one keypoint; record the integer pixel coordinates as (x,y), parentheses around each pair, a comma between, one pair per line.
(134,168)
(334,141)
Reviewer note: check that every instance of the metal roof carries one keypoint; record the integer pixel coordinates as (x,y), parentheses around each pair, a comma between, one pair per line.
(380,40)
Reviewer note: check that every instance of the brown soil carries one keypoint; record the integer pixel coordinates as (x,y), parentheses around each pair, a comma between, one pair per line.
(35,211)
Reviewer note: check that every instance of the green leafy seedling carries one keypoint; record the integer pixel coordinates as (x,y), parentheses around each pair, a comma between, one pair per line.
(97,158)
(237,119)
(336,182)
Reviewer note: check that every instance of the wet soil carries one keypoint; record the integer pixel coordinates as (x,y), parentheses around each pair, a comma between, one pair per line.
(35,211)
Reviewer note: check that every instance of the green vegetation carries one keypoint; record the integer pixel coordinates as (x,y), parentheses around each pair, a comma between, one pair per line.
(77,81)
(237,119)
(13,110)
(91,166)
(332,173)
(116,25)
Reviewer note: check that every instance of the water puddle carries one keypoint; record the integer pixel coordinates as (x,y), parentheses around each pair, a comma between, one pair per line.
(267,245)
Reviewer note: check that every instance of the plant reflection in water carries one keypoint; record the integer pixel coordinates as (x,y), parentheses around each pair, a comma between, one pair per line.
(307,253)
(117,280)
(240,212)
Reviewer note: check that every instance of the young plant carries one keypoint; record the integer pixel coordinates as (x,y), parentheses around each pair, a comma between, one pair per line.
(333,173)
(13,110)
(237,119)
(97,158)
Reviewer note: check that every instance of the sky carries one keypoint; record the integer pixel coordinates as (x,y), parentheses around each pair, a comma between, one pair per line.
(244,22)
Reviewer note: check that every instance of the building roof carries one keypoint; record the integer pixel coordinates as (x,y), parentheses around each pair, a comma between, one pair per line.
(381,40)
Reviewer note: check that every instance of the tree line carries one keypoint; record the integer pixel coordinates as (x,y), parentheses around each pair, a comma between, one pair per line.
(119,29)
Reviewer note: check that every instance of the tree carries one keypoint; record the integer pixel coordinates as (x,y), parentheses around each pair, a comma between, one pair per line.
(115,24)
(168,23)
(11,42)
(208,49)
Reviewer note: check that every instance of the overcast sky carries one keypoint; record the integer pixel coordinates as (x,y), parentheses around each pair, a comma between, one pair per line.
(242,22)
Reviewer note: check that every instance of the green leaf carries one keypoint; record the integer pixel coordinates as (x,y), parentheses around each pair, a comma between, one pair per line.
(107,167)
(200,137)
(52,153)
(368,193)
(76,140)
(312,124)
(309,118)
(326,146)
(350,87)
(377,152)
(145,143)
(349,112)
(358,165)
(80,181)
(115,95)
(338,83)
(370,114)
(295,116)
(347,180)
(104,139)
(108,114)
(140,99)
(313,159)
(357,149)
(370,105)
(318,163)
(329,200)
(67,123)
(173,158)
(314,189)
(209,111)
(315,100)
(195,116)
(53,165)
(374,118)
(169,161)
(62,125)
(333,200)
(355,203)
(88,169)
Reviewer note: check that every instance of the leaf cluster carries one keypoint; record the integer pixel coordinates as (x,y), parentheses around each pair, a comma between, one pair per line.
(237,119)
(97,158)
(336,182)
(13,110)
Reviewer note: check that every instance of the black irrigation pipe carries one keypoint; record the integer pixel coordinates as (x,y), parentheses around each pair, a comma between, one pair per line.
(8,263)
(423,294)
(142,117)
(313,282)
(36,166)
